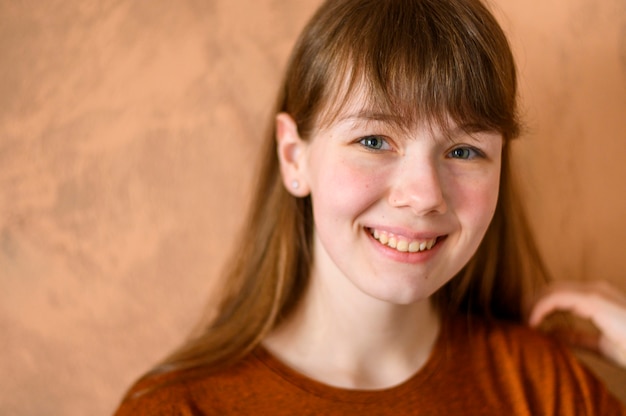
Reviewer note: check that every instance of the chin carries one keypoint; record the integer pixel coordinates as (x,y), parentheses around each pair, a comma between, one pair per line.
(402,294)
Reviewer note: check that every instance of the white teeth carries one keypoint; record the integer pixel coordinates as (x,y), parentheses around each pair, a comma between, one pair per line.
(401,244)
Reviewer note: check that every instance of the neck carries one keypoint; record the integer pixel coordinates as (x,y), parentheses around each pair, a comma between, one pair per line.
(354,341)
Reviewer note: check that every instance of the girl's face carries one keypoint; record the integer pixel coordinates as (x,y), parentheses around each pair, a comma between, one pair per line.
(397,212)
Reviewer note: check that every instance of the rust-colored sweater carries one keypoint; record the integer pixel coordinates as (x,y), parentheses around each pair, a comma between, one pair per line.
(476,368)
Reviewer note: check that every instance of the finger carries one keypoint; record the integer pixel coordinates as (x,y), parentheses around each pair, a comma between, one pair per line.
(581,304)
(603,289)
(612,350)
(590,305)
(608,316)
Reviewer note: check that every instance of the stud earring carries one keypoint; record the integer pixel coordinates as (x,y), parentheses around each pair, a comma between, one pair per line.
(295,184)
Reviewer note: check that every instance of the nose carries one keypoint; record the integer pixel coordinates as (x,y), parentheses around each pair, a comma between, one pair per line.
(418,186)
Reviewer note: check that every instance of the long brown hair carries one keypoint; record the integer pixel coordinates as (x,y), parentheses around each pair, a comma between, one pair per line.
(437,60)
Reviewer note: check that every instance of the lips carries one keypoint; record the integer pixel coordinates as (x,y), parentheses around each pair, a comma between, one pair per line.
(401,243)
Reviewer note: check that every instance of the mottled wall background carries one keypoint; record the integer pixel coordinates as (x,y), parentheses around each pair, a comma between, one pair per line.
(128,133)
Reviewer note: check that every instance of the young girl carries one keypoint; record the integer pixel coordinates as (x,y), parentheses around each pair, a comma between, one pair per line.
(386,257)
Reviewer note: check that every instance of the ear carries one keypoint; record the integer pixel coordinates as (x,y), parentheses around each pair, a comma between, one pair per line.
(291,150)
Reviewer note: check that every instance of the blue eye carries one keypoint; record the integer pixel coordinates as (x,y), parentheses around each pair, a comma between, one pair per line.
(465,153)
(374,142)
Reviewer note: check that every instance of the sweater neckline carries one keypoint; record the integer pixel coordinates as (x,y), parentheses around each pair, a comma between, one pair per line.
(325,391)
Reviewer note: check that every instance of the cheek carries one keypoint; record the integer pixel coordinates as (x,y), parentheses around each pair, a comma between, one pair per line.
(347,187)
(475,202)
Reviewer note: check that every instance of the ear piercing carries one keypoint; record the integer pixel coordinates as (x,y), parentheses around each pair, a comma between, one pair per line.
(295,184)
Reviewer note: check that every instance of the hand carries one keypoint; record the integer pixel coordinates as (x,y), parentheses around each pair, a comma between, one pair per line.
(599,302)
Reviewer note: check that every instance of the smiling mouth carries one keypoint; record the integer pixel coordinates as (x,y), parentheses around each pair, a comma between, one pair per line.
(401,244)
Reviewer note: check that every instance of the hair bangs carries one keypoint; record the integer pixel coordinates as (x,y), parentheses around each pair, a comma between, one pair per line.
(420,61)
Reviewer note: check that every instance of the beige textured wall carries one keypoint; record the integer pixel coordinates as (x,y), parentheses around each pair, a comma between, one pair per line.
(128,131)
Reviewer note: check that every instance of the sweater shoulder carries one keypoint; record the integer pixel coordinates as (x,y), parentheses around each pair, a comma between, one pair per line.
(533,366)
(185,392)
